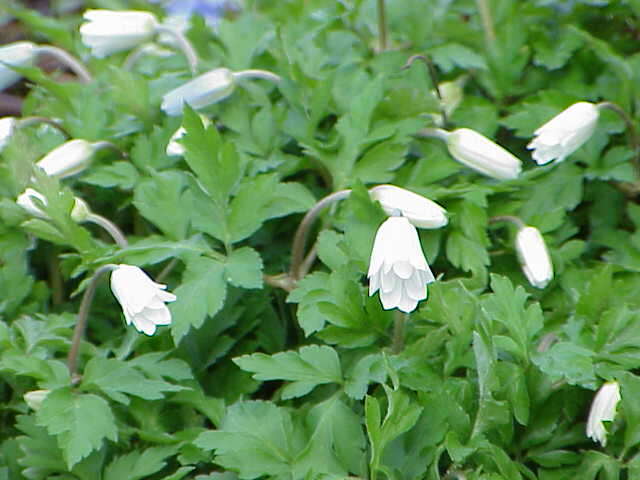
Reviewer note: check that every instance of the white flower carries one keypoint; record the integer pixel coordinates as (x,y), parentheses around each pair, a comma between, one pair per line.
(481,154)
(79,213)
(603,409)
(142,300)
(67,159)
(204,90)
(398,267)
(107,31)
(174,148)
(534,257)
(420,211)
(7,127)
(19,54)
(564,133)
(35,398)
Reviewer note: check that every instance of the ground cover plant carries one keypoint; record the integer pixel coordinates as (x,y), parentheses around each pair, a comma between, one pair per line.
(320,240)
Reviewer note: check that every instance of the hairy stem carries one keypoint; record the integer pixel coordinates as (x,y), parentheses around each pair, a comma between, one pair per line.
(300,237)
(68,60)
(83,316)
(184,45)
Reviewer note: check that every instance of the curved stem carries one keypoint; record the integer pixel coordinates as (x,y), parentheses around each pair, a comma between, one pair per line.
(382,26)
(67,59)
(166,270)
(433,75)
(134,56)
(110,228)
(103,144)
(306,264)
(255,73)
(508,218)
(634,141)
(28,121)
(438,133)
(184,45)
(300,237)
(81,324)
(487,23)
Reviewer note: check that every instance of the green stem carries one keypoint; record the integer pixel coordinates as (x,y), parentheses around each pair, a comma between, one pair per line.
(508,218)
(110,228)
(398,332)
(487,23)
(28,121)
(184,45)
(634,140)
(433,75)
(382,25)
(67,59)
(83,316)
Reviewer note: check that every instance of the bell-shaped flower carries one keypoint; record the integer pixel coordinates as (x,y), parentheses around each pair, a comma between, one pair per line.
(108,31)
(79,213)
(68,159)
(564,133)
(204,90)
(534,256)
(35,398)
(603,409)
(398,268)
(174,147)
(142,300)
(7,127)
(481,154)
(420,211)
(19,54)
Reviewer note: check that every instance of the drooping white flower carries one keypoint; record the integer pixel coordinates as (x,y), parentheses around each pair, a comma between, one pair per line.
(67,159)
(79,213)
(7,127)
(35,398)
(204,90)
(481,154)
(534,256)
(564,133)
(603,409)
(142,300)
(108,31)
(175,148)
(398,267)
(420,211)
(19,54)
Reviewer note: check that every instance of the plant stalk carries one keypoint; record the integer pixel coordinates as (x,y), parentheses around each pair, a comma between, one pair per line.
(28,121)
(433,76)
(184,45)
(382,26)
(68,60)
(110,228)
(487,23)
(508,218)
(634,140)
(398,332)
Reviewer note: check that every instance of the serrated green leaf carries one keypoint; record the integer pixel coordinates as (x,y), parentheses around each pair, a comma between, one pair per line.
(243,268)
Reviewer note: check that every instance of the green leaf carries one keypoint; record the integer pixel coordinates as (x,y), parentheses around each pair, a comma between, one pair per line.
(244,268)
(573,363)
(116,378)
(257,430)
(311,366)
(453,55)
(118,174)
(65,415)
(629,391)
(136,465)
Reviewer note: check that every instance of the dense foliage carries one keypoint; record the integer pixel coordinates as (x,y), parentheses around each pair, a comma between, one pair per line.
(264,375)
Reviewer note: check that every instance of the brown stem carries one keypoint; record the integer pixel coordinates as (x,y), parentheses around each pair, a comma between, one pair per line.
(634,140)
(382,25)
(433,76)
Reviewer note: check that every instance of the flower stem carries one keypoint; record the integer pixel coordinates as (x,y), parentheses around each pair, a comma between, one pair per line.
(300,237)
(634,141)
(28,121)
(110,228)
(438,133)
(508,218)
(67,59)
(81,324)
(255,73)
(397,344)
(382,26)
(103,144)
(433,75)
(184,45)
(487,23)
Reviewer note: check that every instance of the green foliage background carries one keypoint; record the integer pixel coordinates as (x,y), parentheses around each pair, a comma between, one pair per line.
(250,381)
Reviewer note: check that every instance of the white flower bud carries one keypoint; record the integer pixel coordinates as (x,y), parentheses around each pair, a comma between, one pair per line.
(19,54)
(7,127)
(107,31)
(534,257)
(204,90)
(420,211)
(397,267)
(603,409)
(35,398)
(481,154)
(67,159)
(142,300)
(564,133)
(79,213)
